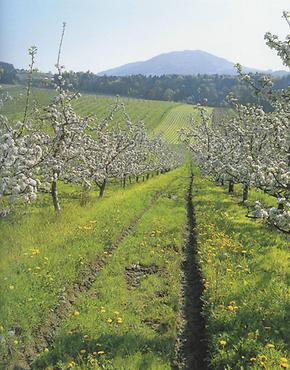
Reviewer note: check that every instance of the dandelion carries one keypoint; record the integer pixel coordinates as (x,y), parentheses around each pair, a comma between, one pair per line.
(284,363)
(46,350)
(15,342)
(11,287)
(76,313)
(101,352)
(269,345)
(222,343)
(82,351)
(109,321)
(119,320)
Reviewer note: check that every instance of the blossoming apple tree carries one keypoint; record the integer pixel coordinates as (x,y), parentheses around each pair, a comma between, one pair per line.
(252,147)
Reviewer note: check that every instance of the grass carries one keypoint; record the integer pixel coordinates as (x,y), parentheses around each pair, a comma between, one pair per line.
(128,320)
(245,269)
(14,108)
(175,119)
(159,117)
(42,253)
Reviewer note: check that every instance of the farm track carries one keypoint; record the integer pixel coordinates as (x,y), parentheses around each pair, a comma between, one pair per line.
(191,344)
(44,335)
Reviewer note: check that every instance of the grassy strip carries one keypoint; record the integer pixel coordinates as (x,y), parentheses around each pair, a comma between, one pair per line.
(128,318)
(44,253)
(244,265)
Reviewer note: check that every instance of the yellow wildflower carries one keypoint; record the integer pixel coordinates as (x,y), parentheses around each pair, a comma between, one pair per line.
(284,363)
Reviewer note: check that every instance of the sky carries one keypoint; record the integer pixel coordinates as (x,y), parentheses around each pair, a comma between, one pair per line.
(102,34)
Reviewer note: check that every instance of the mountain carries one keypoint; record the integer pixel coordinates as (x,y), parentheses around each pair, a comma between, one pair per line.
(187,62)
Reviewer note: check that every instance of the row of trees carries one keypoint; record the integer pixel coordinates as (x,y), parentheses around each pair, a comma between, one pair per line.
(252,146)
(57,144)
(212,89)
(7,73)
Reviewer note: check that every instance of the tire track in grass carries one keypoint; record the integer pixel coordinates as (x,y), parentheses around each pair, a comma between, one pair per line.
(44,335)
(191,344)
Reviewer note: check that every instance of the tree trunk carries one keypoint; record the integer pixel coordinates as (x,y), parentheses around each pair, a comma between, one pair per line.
(102,188)
(157,173)
(124,181)
(245,192)
(222,181)
(130,180)
(54,193)
(147,176)
(137,178)
(231,185)
(143,178)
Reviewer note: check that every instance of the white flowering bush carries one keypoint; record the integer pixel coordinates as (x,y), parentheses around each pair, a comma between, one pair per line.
(20,154)
(252,147)
(57,144)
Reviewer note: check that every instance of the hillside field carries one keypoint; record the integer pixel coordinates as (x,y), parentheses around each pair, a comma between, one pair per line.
(159,117)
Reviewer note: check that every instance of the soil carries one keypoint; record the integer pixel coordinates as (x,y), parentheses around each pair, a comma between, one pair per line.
(191,344)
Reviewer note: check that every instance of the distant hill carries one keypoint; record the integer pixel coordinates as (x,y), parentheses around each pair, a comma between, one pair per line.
(187,62)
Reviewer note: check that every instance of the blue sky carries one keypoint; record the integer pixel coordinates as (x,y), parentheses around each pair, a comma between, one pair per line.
(102,34)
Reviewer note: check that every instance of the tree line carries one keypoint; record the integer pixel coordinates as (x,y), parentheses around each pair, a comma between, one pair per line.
(210,90)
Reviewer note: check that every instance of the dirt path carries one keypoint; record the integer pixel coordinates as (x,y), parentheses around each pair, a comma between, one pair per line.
(191,345)
(44,334)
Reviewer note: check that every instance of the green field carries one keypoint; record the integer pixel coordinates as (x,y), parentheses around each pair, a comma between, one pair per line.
(159,117)
(105,284)
(174,120)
